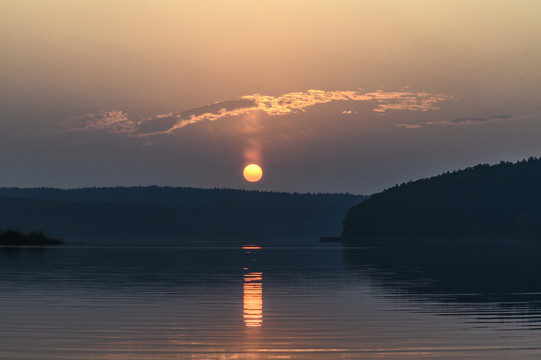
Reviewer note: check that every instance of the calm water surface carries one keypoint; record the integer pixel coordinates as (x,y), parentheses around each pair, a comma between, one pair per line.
(251,302)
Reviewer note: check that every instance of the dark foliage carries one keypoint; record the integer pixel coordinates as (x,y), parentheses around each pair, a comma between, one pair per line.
(66,218)
(11,237)
(497,201)
(155,211)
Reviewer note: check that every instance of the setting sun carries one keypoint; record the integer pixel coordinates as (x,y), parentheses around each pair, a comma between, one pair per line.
(252,173)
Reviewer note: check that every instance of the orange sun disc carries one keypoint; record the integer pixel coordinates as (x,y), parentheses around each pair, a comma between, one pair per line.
(252,173)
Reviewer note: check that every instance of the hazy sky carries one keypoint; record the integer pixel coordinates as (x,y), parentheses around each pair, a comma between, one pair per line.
(327,96)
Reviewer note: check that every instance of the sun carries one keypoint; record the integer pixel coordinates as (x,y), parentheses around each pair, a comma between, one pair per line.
(252,173)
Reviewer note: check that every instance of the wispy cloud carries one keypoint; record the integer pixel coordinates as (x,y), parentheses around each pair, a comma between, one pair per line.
(410,126)
(119,122)
(113,121)
(474,120)
(470,120)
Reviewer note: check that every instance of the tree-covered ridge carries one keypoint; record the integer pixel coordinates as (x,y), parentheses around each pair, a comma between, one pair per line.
(154,211)
(502,200)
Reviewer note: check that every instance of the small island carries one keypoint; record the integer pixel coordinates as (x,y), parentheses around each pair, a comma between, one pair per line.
(11,237)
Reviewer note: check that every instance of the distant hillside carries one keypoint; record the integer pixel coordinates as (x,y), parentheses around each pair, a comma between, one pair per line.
(502,200)
(155,211)
(69,218)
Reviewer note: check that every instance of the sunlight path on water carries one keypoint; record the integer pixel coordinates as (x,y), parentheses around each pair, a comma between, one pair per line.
(249,302)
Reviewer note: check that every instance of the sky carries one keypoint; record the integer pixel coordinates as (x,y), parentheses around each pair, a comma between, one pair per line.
(326,96)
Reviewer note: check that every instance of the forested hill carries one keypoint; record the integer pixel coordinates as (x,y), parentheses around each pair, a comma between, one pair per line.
(154,211)
(498,201)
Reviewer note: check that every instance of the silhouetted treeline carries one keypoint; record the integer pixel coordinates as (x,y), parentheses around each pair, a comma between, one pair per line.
(68,218)
(502,200)
(155,211)
(12,237)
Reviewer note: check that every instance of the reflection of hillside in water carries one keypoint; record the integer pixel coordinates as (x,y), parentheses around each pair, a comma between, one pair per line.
(172,268)
(499,277)
(131,269)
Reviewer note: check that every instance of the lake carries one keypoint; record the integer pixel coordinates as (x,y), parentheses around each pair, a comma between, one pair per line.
(394,300)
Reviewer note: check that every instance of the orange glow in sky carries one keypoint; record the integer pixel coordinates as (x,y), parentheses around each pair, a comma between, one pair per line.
(131,83)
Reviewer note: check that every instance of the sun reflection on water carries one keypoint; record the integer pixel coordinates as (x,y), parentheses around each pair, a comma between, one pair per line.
(253,299)
(253,293)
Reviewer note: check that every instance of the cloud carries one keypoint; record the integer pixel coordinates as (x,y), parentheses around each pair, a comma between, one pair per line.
(118,121)
(114,121)
(410,126)
(396,100)
(470,120)
(421,101)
